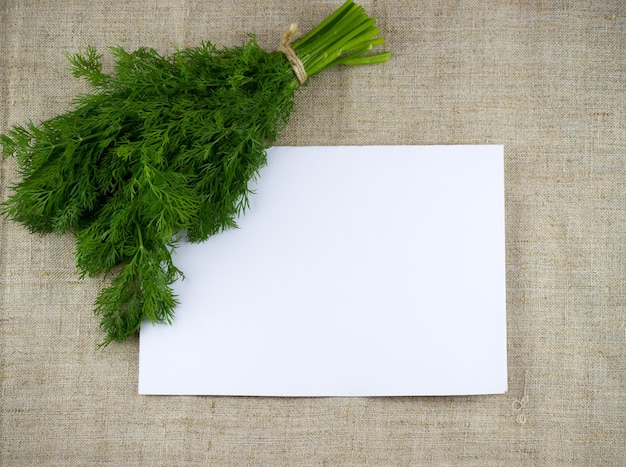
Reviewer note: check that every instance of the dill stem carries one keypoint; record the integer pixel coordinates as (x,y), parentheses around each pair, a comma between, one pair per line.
(344,37)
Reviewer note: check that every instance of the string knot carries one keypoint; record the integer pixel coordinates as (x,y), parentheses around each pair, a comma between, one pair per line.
(285,47)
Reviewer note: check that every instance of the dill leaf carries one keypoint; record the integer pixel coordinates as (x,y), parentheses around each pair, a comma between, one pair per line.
(161,147)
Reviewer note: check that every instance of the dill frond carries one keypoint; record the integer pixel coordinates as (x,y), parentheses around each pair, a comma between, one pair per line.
(161,146)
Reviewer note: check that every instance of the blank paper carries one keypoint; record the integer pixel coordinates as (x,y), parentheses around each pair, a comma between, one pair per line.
(356,271)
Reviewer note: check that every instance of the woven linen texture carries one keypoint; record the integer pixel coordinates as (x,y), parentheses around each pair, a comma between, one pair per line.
(545,78)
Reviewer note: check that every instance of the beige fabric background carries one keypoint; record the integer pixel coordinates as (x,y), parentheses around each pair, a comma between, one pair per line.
(545,78)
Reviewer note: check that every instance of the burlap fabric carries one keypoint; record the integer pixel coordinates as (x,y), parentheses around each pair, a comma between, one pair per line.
(545,78)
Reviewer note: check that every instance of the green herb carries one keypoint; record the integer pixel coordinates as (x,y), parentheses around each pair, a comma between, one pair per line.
(163,147)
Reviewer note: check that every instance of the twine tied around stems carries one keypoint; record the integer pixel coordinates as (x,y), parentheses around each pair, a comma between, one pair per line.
(285,47)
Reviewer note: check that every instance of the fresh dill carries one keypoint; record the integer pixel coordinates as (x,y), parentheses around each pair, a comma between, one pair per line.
(164,146)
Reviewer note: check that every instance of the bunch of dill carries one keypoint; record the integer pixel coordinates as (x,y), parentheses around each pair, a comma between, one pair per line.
(165,146)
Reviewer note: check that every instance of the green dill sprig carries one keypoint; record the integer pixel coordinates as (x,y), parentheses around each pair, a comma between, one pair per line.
(163,146)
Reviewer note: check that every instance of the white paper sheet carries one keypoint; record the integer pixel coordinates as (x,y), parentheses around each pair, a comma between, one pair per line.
(357,271)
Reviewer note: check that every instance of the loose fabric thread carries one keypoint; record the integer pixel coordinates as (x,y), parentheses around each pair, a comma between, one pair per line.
(285,47)
(518,405)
